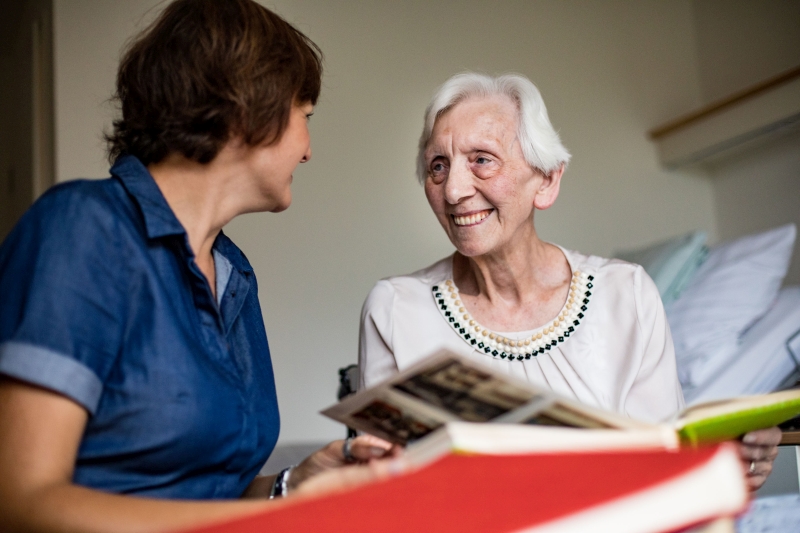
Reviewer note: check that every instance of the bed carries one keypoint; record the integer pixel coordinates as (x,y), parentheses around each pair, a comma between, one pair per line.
(768,357)
(735,331)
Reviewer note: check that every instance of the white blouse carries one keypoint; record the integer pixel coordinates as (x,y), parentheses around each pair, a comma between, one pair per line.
(618,354)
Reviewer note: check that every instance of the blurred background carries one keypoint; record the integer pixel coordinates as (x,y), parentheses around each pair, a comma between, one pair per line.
(610,71)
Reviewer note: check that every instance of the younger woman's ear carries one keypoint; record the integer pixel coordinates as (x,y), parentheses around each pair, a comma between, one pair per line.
(548,189)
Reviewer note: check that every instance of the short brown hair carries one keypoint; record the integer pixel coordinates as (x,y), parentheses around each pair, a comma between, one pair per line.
(208,70)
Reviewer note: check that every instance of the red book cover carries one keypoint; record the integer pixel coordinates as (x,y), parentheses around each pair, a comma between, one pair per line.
(636,491)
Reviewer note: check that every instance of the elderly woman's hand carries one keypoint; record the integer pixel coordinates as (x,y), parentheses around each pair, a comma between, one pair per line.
(363,449)
(757,451)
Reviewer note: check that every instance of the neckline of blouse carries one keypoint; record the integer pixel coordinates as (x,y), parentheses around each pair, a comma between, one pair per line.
(498,344)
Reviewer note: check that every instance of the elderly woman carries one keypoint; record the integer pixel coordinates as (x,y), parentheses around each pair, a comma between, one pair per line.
(589,328)
(135,374)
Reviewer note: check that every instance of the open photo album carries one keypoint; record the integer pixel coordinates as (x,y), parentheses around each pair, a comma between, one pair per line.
(448,388)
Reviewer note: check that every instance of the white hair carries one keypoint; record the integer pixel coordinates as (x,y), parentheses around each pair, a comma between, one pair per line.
(540,143)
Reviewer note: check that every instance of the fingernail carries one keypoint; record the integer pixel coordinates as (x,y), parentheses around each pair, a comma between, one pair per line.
(374,451)
(749,438)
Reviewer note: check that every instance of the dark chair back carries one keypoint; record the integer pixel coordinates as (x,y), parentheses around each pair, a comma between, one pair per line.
(348,384)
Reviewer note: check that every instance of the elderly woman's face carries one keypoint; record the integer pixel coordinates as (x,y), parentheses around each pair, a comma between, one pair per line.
(479,185)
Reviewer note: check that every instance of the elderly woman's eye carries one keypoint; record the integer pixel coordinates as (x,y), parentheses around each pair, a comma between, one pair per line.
(482,160)
(437,170)
(438,166)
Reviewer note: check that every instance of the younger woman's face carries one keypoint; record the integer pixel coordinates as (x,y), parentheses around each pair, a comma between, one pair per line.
(272,165)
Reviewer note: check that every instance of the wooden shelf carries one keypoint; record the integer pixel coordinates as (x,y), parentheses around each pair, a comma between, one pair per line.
(726,125)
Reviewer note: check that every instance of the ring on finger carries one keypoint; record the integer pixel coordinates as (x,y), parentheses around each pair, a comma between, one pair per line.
(347,452)
(752,469)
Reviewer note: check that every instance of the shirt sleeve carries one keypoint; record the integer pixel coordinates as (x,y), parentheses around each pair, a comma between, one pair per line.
(376,360)
(655,394)
(62,280)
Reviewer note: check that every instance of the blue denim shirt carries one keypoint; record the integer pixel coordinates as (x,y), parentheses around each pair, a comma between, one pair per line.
(101,301)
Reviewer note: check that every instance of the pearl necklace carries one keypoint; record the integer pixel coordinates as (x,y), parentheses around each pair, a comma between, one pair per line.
(489,342)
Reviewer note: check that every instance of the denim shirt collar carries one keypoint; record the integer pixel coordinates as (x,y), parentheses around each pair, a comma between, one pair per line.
(159,219)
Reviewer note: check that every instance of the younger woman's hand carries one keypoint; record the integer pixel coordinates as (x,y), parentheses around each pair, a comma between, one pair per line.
(362,450)
(351,476)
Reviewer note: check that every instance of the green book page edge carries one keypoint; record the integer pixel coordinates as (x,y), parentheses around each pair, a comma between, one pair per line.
(732,425)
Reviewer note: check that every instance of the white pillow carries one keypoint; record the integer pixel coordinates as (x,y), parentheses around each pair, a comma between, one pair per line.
(671,263)
(732,289)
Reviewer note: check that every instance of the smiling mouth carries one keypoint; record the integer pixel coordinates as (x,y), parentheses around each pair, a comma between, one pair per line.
(471,220)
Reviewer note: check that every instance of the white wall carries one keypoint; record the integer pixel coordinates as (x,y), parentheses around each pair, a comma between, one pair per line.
(759,190)
(609,71)
(740,43)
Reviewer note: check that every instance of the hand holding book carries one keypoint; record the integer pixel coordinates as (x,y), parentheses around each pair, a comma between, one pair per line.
(447,387)
(757,452)
(538,489)
(361,450)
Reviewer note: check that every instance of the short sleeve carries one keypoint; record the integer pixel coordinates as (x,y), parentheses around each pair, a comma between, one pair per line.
(63,281)
(376,360)
(655,394)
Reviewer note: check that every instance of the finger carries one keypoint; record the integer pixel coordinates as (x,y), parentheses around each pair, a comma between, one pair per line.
(758,453)
(336,479)
(757,469)
(762,453)
(755,482)
(759,475)
(323,459)
(367,447)
(763,437)
(772,453)
(745,452)
(372,440)
(751,453)
(363,449)
(351,476)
